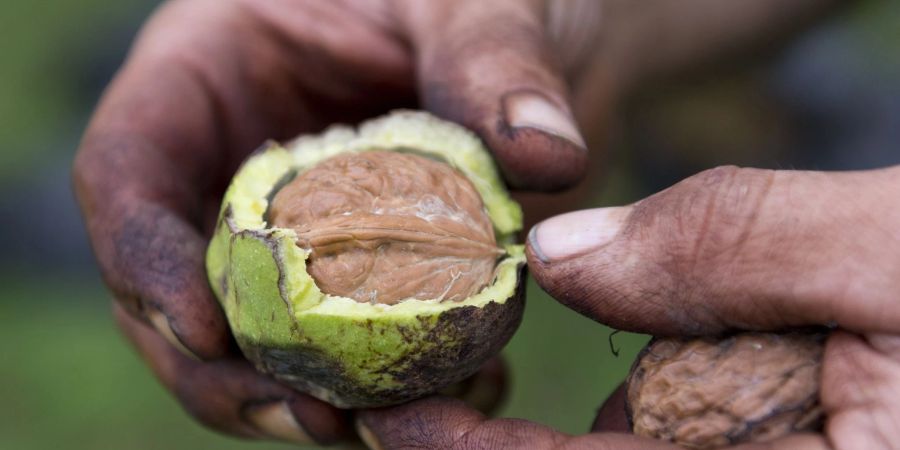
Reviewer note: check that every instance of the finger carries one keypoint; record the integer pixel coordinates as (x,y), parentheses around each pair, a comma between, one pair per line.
(228,395)
(611,417)
(206,83)
(861,390)
(486,390)
(445,423)
(143,168)
(488,66)
(800,441)
(151,162)
(732,248)
(154,261)
(151,256)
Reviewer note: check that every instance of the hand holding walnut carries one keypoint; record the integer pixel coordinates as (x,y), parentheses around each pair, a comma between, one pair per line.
(728,249)
(208,81)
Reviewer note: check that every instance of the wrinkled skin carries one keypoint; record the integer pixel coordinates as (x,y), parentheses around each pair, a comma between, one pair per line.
(208,81)
(726,249)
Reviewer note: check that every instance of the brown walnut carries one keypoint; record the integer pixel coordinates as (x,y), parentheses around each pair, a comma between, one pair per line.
(708,393)
(385,226)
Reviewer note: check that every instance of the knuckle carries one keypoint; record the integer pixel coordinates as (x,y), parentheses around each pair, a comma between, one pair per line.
(717,210)
(704,222)
(729,201)
(717,175)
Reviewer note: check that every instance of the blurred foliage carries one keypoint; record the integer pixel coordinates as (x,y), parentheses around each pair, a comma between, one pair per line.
(877,23)
(50,50)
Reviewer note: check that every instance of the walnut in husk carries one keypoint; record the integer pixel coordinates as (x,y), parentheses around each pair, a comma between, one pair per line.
(713,392)
(370,266)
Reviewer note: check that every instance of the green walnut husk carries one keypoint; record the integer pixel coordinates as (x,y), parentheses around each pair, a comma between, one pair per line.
(348,353)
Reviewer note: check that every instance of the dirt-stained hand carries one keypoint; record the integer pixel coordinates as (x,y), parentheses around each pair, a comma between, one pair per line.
(723,250)
(207,81)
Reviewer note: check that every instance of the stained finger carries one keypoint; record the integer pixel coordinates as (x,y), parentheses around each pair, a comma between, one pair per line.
(489,67)
(228,395)
(731,248)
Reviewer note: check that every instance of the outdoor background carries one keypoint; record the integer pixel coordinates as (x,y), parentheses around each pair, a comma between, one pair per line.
(828,100)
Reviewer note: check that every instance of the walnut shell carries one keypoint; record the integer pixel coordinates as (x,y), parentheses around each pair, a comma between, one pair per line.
(385,226)
(710,392)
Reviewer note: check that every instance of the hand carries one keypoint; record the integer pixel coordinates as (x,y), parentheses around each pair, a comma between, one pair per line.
(207,81)
(726,249)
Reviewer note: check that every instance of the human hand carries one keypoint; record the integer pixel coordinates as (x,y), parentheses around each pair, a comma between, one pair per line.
(208,81)
(726,249)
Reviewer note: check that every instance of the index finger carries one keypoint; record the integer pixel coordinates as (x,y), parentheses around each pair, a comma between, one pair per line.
(151,160)
(445,423)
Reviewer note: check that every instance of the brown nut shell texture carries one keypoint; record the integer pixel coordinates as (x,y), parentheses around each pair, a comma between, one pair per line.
(709,393)
(386,226)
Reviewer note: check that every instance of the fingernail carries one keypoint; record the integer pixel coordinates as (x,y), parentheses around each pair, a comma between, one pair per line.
(529,109)
(567,235)
(277,421)
(161,323)
(367,436)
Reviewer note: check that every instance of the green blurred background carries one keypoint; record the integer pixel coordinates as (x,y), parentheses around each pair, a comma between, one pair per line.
(828,100)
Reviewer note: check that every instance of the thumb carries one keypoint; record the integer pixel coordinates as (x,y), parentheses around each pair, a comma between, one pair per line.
(487,66)
(445,423)
(733,248)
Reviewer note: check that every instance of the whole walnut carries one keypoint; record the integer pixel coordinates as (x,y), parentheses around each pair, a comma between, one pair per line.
(387,226)
(713,392)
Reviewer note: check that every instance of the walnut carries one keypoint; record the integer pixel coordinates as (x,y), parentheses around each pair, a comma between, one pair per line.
(708,393)
(387,226)
(373,213)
